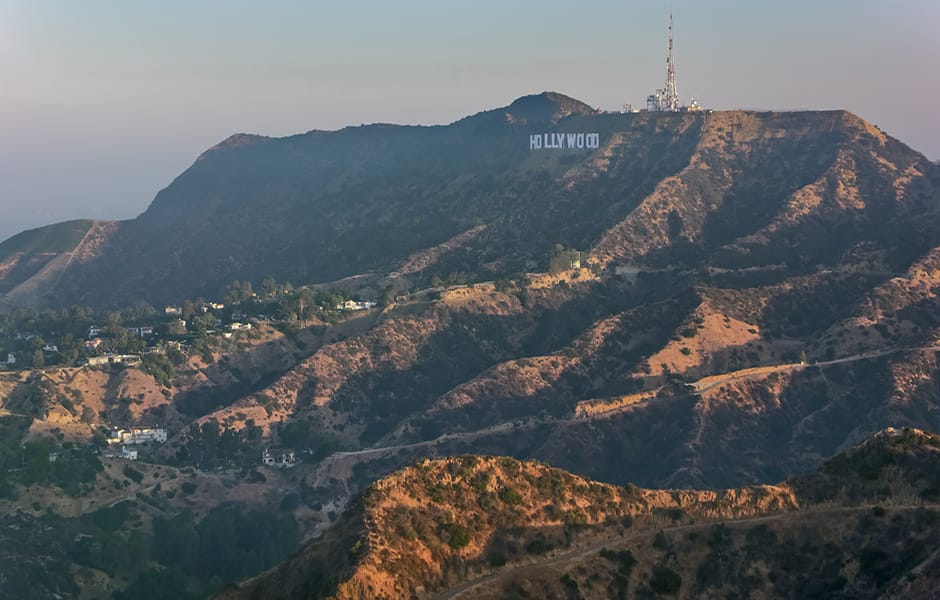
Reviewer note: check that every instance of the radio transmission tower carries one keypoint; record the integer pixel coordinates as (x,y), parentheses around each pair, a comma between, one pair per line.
(671,95)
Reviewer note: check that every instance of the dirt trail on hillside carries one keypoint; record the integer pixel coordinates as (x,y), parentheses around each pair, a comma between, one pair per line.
(594,548)
(712,381)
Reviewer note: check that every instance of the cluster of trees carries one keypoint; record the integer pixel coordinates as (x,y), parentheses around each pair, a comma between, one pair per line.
(67,466)
(282,301)
(27,331)
(43,460)
(185,558)
(11,454)
(160,366)
(563,259)
(209,446)
(304,435)
(227,545)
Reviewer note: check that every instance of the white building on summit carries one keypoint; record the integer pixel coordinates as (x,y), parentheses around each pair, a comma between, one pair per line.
(667,98)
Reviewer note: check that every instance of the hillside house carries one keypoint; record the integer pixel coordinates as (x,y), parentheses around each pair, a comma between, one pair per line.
(113,359)
(140,331)
(239,326)
(50,348)
(281,459)
(125,453)
(94,331)
(92,344)
(356,305)
(142,435)
(172,311)
(11,359)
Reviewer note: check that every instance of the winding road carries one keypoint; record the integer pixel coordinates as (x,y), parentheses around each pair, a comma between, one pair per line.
(339,464)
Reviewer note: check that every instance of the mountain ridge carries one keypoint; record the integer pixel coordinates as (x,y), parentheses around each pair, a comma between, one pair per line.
(327,195)
(447,526)
(706,301)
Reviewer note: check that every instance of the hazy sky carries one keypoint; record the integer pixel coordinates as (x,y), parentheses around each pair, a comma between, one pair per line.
(104,102)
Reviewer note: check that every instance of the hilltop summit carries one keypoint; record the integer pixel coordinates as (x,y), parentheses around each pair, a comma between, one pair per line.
(547,106)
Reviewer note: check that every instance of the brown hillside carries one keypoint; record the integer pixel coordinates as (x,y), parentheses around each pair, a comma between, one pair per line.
(487,527)
(437,522)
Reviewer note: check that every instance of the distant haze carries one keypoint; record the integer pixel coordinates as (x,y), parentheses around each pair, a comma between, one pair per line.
(103,102)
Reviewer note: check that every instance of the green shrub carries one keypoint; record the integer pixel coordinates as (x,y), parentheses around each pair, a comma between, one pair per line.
(575,516)
(510,496)
(407,531)
(458,536)
(624,559)
(133,474)
(355,549)
(661,541)
(158,366)
(538,546)
(290,502)
(664,580)
(673,513)
(111,518)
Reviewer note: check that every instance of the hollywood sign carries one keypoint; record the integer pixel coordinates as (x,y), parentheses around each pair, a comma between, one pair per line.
(564,141)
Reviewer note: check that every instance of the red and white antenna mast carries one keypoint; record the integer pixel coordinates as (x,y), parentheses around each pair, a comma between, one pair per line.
(671,96)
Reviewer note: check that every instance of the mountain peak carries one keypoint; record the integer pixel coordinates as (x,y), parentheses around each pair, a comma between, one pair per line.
(236,140)
(547,106)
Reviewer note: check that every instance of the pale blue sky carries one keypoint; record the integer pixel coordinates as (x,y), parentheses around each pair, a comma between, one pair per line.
(103,102)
